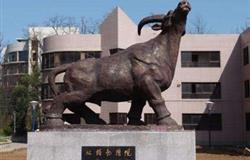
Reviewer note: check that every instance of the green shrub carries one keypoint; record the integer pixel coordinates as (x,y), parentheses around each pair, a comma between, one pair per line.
(7,131)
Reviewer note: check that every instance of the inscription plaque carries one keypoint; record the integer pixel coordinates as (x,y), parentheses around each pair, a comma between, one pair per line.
(108,153)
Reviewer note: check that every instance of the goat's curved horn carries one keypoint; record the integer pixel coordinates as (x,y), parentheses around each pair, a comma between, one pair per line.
(150,19)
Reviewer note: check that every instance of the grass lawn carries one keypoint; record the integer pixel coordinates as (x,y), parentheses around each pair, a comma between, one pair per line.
(21,155)
(4,139)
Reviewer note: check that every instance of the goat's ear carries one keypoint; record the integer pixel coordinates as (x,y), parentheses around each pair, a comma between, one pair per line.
(156,27)
(169,18)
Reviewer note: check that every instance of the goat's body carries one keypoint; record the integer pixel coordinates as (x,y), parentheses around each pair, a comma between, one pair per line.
(117,78)
(105,79)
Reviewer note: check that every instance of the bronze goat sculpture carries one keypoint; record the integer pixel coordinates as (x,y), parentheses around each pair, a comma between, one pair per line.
(140,73)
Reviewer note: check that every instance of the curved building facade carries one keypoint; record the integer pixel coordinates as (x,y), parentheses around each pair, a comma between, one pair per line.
(15,65)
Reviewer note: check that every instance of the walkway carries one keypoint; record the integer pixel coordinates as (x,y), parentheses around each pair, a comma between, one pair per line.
(12,146)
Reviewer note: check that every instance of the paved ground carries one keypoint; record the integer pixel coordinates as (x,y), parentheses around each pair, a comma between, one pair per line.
(12,146)
(14,155)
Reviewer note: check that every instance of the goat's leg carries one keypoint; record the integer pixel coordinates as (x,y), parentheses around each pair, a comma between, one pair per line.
(81,109)
(85,112)
(156,101)
(135,111)
(54,114)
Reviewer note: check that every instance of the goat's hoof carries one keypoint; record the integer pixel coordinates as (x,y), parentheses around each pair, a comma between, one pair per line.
(136,122)
(51,123)
(168,121)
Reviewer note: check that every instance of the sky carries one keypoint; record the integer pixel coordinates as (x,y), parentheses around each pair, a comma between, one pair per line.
(220,16)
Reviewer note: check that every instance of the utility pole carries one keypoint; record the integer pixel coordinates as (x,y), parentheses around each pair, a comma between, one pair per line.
(33,104)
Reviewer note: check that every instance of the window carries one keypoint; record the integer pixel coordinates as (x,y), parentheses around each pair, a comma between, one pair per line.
(150,118)
(96,54)
(48,61)
(248,121)
(69,57)
(202,121)
(200,59)
(115,50)
(11,81)
(201,90)
(195,58)
(23,55)
(4,70)
(118,118)
(245,56)
(246,88)
(12,69)
(12,56)
(46,91)
(23,68)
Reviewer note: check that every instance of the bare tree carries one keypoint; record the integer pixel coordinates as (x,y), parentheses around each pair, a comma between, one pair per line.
(243,27)
(199,26)
(30,32)
(1,40)
(1,47)
(55,22)
(83,25)
(67,25)
(35,36)
(70,25)
(88,26)
(63,24)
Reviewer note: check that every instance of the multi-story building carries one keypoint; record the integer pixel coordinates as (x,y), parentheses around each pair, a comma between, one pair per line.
(21,56)
(15,65)
(245,45)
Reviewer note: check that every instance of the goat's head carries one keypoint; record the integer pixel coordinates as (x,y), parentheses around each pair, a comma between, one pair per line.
(165,22)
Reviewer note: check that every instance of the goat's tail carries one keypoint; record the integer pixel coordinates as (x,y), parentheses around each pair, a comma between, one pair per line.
(52,76)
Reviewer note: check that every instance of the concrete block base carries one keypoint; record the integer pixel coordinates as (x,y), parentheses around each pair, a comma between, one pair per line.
(149,145)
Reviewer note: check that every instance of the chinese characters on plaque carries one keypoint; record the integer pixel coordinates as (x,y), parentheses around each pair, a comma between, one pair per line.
(108,153)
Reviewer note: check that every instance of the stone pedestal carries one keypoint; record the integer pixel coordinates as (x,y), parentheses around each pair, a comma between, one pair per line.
(149,145)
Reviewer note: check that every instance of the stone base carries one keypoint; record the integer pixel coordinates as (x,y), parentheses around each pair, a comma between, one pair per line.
(149,145)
